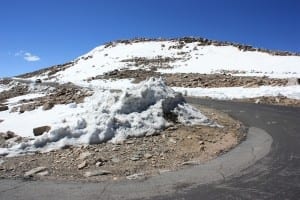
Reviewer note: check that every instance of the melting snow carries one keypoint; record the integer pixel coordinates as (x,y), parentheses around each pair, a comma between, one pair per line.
(228,93)
(108,116)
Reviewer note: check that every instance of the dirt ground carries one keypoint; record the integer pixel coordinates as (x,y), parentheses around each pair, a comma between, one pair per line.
(174,148)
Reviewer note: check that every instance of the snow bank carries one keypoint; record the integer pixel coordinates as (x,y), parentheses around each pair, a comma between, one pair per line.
(106,116)
(228,93)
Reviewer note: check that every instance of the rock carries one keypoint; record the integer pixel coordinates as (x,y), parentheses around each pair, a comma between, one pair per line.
(135,158)
(82,165)
(172,140)
(98,164)
(35,171)
(148,156)
(84,155)
(3,108)
(190,163)
(40,130)
(48,106)
(1,120)
(44,173)
(135,176)
(26,107)
(97,172)
(115,160)
(257,101)
(201,142)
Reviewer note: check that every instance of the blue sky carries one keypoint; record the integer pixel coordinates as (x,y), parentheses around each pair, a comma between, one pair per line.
(40,33)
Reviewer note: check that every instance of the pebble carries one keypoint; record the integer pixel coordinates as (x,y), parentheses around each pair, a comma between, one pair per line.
(115,160)
(172,140)
(35,171)
(97,172)
(148,156)
(82,165)
(201,142)
(135,158)
(135,176)
(84,155)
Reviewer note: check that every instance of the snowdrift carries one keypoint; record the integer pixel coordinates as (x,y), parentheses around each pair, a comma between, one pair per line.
(145,109)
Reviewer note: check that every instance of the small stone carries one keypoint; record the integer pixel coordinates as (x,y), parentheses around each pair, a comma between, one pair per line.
(115,149)
(129,142)
(48,106)
(84,155)
(189,137)
(172,140)
(135,176)
(135,158)
(41,130)
(115,160)
(44,173)
(148,156)
(97,172)
(82,165)
(35,171)
(98,164)
(190,163)
(201,142)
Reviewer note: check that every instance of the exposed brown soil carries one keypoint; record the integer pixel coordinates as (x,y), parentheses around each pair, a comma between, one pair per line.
(172,149)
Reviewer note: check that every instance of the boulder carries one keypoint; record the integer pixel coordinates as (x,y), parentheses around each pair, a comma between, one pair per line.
(41,130)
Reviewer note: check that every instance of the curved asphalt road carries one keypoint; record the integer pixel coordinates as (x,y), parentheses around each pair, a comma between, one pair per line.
(277,175)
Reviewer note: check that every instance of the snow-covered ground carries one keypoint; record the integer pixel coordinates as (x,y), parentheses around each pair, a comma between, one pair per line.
(228,93)
(105,116)
(190,59)
(120,109)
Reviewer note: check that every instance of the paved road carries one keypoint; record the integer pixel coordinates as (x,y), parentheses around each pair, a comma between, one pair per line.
(276,176)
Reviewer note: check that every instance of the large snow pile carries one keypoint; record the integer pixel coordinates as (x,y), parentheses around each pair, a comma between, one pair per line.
(145,109)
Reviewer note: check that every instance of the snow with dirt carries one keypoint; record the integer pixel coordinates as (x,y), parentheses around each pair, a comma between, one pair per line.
(107,116)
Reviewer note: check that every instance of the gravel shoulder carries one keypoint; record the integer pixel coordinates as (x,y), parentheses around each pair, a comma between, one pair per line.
(174,148)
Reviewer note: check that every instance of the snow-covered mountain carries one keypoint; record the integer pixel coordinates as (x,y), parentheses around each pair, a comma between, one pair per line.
(185,55)
(95,98)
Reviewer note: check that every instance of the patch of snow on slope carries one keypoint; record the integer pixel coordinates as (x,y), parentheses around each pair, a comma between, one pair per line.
(228,93)
(15,100)
(107,116)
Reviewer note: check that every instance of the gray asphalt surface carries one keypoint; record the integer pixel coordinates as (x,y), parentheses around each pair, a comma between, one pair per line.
(253,170)
(277,175)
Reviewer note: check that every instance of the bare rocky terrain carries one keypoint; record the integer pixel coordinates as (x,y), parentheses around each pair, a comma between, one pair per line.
(192,80)
(176,147)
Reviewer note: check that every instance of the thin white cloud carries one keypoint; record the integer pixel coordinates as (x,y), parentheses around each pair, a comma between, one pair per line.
(28,56)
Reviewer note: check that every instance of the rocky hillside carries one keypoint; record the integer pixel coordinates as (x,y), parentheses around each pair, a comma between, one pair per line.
(181,55)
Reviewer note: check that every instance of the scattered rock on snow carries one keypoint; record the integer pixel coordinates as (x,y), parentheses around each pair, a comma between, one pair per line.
(48,106)
(40,130)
